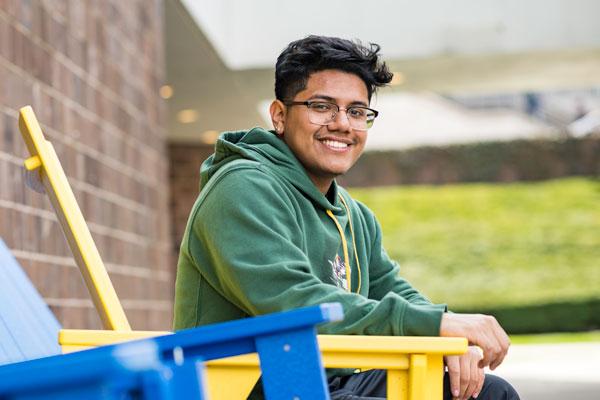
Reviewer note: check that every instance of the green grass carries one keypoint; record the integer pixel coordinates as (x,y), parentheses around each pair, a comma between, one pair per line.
(481,245)
(556,338)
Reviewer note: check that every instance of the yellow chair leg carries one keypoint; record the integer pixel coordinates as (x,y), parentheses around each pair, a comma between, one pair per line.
(435,376)
(397,384)
(417,374)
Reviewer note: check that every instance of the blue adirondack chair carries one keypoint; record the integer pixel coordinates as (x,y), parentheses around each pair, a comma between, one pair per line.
(285,342)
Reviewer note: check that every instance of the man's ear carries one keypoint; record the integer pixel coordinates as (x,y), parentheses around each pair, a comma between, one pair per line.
(278,113)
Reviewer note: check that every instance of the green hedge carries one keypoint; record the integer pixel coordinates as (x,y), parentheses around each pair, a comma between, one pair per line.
(566,316)
(518,160)
(499,248)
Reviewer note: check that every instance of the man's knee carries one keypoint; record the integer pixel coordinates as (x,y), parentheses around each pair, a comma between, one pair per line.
(497,388)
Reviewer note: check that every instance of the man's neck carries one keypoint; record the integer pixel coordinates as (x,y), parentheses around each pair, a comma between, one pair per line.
(323,184)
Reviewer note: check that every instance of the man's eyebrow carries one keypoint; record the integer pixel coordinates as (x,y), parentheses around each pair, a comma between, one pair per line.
(323,97)
(333,100)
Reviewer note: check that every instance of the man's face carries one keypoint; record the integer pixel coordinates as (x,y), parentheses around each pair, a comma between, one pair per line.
(326,151)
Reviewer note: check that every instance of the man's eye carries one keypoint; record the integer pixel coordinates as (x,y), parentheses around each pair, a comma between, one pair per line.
(322,107)
(357,113)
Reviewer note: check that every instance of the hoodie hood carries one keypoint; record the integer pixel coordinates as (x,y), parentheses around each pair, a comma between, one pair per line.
(265,148)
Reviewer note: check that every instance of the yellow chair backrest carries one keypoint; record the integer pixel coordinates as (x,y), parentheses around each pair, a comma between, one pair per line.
(414,364)
(44,160)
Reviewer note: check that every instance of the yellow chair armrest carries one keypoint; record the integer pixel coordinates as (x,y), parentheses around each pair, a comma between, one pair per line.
(383,352)
(393,344)
(329,344)
(86,338)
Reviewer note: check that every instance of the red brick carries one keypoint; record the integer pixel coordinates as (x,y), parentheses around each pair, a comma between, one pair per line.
(77,18)
(5,39)
(5,226)
(57,35)
(9,7)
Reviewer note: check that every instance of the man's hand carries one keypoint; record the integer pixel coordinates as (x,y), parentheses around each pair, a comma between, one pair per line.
(480,330)
(466,377)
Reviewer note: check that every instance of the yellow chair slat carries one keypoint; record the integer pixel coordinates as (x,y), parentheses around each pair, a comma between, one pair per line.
(417,376)
(44,159)
(394,344)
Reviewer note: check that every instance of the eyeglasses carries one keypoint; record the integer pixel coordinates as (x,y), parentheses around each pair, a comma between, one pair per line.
(324,113)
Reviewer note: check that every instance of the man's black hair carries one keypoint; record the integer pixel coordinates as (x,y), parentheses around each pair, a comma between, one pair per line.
(303,57)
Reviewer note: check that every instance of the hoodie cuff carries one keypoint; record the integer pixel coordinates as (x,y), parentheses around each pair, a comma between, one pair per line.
(422,320)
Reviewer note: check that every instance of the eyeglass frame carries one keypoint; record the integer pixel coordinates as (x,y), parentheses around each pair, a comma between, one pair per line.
(308,103)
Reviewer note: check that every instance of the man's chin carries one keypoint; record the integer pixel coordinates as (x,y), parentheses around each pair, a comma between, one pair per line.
(330,173)
(337,172)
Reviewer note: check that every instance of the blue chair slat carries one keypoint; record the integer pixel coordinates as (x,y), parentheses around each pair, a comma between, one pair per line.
(124,371)
(187,378)
(297,353)
(28,329)
(9,350)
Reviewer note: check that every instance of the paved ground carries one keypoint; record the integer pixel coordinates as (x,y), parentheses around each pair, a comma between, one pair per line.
(554,371)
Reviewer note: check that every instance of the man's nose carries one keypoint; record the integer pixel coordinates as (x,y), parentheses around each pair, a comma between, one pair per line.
(340,123)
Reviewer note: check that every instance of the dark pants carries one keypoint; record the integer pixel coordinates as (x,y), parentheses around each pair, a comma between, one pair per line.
(371,385)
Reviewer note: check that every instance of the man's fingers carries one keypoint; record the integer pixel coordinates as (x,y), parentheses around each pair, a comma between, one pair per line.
(489,345)
(497,361)
(480,373)
(501,333)
(480,380)
(503,341)
(492,357)
(453,364)
(496,343)
(465,376)
(474,377)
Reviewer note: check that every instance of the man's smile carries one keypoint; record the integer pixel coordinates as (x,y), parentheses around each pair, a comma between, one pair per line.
(336,143)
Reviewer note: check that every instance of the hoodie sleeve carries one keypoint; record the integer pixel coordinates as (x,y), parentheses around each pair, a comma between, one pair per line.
(245,239)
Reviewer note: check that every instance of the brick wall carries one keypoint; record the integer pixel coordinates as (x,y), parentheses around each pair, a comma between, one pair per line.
(185,160)
(91,70)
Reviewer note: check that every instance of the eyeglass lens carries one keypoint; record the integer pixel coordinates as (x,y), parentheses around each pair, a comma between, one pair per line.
(324,113)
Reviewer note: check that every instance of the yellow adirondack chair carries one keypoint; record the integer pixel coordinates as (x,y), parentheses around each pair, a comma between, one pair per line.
(414,364)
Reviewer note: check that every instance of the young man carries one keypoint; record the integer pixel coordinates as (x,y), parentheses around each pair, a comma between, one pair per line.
(272,230)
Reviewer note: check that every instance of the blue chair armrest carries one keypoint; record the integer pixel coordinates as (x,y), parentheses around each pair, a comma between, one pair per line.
(111,372)
(238,337)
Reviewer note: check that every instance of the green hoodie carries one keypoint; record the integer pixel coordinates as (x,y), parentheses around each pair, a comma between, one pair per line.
(261,238)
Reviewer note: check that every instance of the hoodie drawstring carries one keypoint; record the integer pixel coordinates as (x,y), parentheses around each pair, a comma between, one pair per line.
(345,245)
